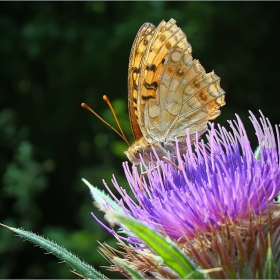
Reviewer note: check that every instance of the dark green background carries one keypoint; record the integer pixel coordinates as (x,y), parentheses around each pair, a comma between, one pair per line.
(56,55)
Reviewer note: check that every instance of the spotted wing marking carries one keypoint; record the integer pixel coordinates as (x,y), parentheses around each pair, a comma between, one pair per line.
(169,91)
(139,46)
(179,94)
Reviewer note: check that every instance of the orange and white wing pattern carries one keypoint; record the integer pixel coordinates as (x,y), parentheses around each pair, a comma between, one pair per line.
(175,93)
(139,46)
(169,91)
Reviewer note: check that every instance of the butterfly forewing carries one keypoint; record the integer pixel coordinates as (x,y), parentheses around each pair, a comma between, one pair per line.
(136,55)
(166,36)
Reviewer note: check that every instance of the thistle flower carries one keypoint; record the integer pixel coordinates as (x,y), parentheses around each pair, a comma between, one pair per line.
(216,201)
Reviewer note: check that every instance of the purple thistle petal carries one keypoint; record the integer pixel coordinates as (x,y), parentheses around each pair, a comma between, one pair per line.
(219,181)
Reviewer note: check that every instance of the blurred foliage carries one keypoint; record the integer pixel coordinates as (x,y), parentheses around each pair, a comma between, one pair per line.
(56,55)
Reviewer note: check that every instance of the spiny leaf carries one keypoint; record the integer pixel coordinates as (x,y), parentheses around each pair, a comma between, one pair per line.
(73,261)
(100,198)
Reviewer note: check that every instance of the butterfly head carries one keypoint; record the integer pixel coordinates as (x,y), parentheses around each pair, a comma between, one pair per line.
(138,147)
(134,158)
(140,150)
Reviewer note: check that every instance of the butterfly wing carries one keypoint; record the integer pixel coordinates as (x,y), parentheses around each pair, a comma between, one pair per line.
(139,46)
(176,93)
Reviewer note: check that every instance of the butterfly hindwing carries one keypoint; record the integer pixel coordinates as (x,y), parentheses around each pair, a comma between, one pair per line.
(175,91)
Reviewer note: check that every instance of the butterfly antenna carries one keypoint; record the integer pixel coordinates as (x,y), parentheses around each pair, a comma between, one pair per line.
(106,99)
(85,106)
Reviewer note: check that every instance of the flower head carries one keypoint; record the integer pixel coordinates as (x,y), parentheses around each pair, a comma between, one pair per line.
(214,189)
(215,183)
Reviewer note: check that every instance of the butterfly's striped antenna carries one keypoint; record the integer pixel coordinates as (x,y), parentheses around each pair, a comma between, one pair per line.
(85,106)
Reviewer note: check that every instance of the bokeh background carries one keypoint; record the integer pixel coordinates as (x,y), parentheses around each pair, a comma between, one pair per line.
(56,55)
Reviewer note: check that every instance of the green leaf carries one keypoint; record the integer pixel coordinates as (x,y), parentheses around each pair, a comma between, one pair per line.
(135,274)
(165,248)
(100,198)
(81,268)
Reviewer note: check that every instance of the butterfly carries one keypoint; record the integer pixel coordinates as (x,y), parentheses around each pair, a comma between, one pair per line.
(169,92)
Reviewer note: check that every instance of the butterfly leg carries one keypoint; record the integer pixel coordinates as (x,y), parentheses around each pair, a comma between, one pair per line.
(143,174)
(172,163)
